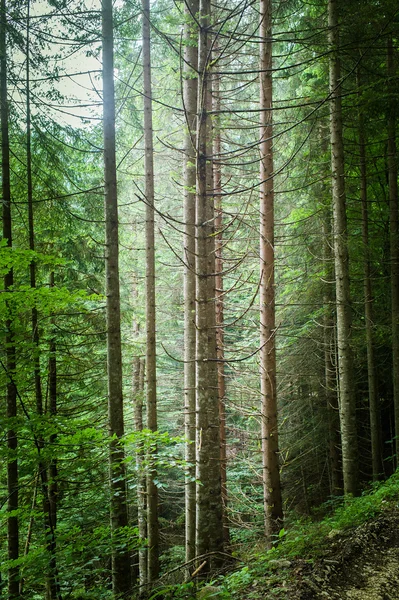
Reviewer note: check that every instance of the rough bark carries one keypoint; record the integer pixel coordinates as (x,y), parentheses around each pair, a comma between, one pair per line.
(374,403)
(11,392)
(347,404)
(394,241)
(52,588)
(273,510)
(121,579)
(330,380)
(190,84)
(209,524)
(138,399)
(219,299)
(53,467)
(152,491)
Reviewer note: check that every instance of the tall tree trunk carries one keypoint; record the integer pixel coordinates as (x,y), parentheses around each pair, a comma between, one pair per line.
(30,528)
(273,509)
(53,467)
(51,577)
(219,301)
(11,392)
(330,381)
(152,491)
(394,240)
(347,402)
(190,85)
(138,397)
(121,579)
(374,404)
(209,523)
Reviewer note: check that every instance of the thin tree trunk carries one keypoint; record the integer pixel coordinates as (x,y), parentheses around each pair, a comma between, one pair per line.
(330,382)
(121,577)
(152,491)
(374,404)
(30,529)
(347,402)
(190,85)
(11,392)
(51,578)
(53,468)
(394,241)
(209,523)
(273,509)
(138,398)
(219,305)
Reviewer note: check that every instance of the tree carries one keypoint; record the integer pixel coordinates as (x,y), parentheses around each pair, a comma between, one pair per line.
(209,522)
(273,509)
(151,373)
(190,83)
(118,503)
(374,404)
(10,366)
(347,399)
(394,239)
(219,292)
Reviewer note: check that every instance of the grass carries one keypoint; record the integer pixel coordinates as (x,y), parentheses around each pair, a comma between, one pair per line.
(304,538)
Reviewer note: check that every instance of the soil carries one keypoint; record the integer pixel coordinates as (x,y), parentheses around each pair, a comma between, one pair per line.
(362,564)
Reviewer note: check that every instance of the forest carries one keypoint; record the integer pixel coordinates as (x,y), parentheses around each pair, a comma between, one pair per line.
(200,287)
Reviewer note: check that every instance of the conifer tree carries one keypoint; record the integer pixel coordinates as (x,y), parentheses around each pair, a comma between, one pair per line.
(10,351)
(273,510)
(347,400)
(118,502)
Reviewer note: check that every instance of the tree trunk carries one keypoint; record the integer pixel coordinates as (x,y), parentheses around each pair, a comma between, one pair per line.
(138,397)
(219,316)
(209,523)
(152,491)
(121,579)
(11,392)
(374,404)
(53,468)
(190,85)
(347,402)
(273,509)
(394,240)
(51,576)
(330,380)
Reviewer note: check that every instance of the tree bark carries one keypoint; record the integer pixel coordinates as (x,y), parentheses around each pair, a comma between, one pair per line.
(330,380)
(394,240)
(53,467)
(347,402)
(209,523)
(52,589)
(121,578)
(219,300)
(190,85)
(152,491)
(273,509)
(374,403)
(138,398)
(11,392)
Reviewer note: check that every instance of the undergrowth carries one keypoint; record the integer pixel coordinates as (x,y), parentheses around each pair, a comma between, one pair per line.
(303,538)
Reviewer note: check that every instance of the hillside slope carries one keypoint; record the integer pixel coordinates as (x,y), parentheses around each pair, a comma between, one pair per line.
(352,554)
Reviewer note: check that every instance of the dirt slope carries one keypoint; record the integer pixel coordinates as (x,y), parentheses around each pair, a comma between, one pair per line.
(361,565)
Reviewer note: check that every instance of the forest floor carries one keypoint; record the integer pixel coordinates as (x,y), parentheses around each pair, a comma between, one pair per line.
(361,563)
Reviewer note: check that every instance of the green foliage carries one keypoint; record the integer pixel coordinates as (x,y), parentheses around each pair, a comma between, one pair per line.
(306,539)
